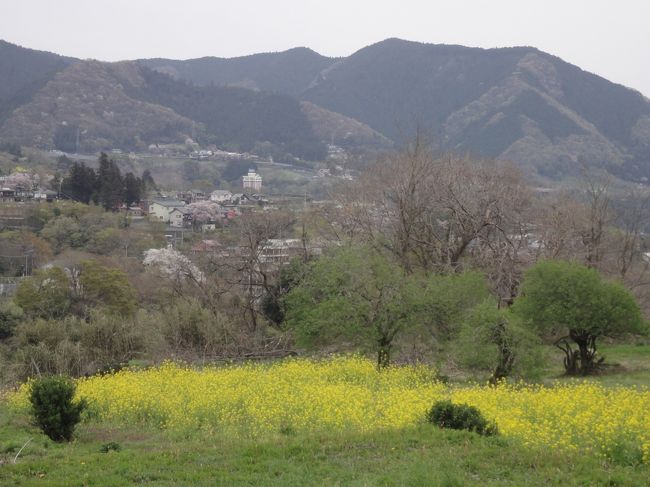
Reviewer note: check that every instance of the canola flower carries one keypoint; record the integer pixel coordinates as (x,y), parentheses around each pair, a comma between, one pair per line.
(348,393)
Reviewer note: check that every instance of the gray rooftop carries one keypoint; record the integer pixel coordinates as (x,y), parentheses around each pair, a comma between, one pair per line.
(169,203)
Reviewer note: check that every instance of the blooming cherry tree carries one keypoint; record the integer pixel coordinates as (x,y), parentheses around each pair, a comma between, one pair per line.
(172,264)
(204,211)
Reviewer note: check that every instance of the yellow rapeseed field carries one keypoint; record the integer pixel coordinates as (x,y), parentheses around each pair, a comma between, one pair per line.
(348,393)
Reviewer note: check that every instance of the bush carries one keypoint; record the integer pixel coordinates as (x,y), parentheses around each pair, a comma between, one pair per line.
(110,446)
(446,414)
(53,409)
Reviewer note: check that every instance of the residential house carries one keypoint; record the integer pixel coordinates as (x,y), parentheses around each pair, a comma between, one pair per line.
(135,211)
(45,195)
(7,194)
(197,195)
(179,217)
(160,209)
(220,196)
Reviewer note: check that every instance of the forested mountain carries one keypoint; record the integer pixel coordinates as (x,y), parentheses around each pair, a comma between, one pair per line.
(88,102)
(516,103)
(23,72)
(91,105)
(235,117)
(284,72)
(513,103)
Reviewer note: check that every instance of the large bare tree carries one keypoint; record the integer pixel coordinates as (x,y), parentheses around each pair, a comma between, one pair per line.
(432,212)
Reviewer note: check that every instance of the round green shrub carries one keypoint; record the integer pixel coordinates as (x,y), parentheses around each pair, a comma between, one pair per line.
(446,414)
(53,408)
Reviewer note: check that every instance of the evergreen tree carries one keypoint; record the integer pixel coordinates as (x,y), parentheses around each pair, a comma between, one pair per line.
(147,181)
(132,189)
(110,183)
(80,184)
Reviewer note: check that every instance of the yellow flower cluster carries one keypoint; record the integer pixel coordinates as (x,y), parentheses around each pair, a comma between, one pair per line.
(348,393)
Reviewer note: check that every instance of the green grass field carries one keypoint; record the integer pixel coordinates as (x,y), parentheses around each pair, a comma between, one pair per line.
(417,456)
(422,455)
(627,365)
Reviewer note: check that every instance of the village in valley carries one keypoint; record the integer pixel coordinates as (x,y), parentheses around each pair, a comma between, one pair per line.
(199,223)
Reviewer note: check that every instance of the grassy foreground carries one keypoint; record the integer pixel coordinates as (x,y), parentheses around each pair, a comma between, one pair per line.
(122,442)
(421,455)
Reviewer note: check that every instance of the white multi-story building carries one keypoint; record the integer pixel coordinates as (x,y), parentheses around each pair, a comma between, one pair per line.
(252,182)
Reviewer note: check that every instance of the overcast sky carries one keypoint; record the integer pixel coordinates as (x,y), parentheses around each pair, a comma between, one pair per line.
(608,37)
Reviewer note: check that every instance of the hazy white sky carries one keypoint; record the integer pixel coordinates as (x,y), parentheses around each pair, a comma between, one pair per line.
(607,37)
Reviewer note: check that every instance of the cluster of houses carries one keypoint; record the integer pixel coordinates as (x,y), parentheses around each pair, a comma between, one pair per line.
(17,194)
(23,186)
(213,152)
(177,212)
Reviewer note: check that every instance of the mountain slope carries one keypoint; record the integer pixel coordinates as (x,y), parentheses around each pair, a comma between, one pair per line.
(89,98)
(341,130)
(91,106)
(516,103)
(23,72)
(288,72)
(236,115)
(513,103)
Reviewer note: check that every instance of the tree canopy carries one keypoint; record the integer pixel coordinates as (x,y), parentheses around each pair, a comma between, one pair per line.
(572,303)
(352,294)
(106,186)
(107,287)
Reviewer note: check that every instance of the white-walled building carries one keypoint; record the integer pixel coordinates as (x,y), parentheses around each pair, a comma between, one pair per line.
(220,196)
(178,217)
(161,209)
(252,182)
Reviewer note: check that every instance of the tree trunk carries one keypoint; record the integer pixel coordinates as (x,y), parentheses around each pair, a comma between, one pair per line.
(383,354)
(571,357)
(506,356)
(582,361)
(587,349)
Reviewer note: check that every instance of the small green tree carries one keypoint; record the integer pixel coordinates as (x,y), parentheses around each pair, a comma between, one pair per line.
(10,316)
(107,287)
(354,295)
(445,300)
(46,294)
(573,302)
(495,339)
(65,231)
(53,408)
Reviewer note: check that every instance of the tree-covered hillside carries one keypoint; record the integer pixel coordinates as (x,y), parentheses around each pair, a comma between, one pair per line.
(235,117)
(287,72)
(23,72)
